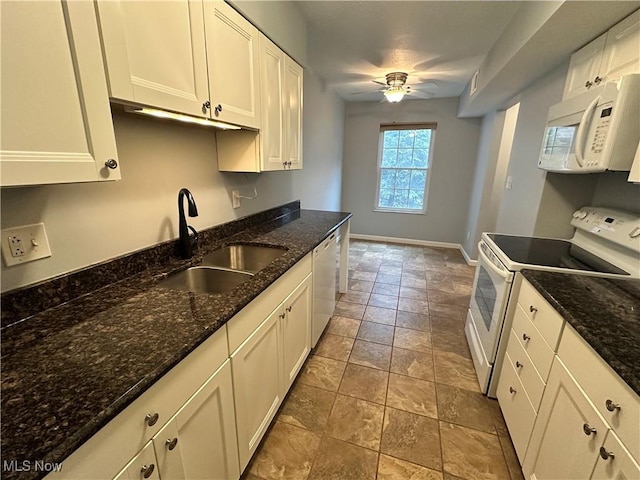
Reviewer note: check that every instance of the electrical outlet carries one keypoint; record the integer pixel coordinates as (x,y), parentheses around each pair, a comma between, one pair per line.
(24,244)
(235,198)
(509,182)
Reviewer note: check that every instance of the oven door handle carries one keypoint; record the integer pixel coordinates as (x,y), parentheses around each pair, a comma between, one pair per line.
(506,276)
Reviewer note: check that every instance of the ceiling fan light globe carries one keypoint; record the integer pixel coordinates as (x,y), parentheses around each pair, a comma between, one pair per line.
(394,94)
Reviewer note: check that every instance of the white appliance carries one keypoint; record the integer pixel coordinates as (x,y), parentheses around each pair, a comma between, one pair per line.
(593,132)
(324,286)
(606,243)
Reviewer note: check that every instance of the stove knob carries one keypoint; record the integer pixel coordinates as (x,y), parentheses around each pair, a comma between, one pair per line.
(635,232)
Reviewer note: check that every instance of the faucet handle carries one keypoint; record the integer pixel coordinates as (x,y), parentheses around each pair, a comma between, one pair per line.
(193,238)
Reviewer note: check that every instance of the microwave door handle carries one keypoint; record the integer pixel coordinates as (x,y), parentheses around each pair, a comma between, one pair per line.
(583,128)
(507,276)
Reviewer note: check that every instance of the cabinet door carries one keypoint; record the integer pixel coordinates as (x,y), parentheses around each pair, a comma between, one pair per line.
(293,114)
(296,326)
(232,60)
(584,67)
(257,382)
(622,50)
(143,466)
(273,111)
(155,53)
(56,122)
(200,440)
(568,432)
(615,462)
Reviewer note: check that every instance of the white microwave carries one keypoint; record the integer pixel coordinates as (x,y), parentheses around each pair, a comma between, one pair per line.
(593,132)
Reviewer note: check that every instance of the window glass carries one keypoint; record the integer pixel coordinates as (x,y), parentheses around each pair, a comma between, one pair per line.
(403,167)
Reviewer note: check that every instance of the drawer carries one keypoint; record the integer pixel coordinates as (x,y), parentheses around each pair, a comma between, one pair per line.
(517,410)
(602,384)
(548,322)
(533,343)
(525,369)
(118,441)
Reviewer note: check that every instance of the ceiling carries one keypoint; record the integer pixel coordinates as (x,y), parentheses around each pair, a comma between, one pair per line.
(352,43)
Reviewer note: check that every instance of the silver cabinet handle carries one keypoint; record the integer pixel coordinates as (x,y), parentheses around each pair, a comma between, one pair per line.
(147,470)
(282,315)
(171,443)
(518,364)
(532,309)
(288,309)
(206,106)
(111,163)
(526,337)
(611,405)
(217,110)
(151,419)
(588,429)
(512,390)
(605,454)
(597,80)
(588,84)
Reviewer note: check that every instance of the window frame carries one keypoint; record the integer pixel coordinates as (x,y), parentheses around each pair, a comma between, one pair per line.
(404,126)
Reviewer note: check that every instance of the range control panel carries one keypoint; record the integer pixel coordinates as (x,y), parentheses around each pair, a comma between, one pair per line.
(617,226)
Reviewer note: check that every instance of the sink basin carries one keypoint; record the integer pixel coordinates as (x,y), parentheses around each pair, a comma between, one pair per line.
(245,258)
(206,280)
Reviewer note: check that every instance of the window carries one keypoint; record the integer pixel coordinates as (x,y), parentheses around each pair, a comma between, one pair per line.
(404,159)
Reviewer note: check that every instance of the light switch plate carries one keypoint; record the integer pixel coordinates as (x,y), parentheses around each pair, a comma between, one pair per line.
(24,244)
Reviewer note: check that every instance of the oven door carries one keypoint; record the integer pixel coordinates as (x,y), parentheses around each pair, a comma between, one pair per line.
(487,307)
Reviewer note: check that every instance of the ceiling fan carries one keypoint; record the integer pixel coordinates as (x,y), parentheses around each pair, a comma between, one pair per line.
(395,87)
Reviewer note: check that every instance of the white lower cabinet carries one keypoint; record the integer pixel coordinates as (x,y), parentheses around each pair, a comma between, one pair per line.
(266,364)
(257,382)
(199,442)
(568,432)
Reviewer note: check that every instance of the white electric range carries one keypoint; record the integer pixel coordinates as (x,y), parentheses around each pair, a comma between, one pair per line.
(606,243)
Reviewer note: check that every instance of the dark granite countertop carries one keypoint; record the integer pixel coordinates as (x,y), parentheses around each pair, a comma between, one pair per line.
(605,312)
(70,369)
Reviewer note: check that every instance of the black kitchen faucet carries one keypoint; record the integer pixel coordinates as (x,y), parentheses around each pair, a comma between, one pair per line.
(187,243)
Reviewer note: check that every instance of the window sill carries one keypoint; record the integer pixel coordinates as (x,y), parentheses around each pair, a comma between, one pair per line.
(390,210)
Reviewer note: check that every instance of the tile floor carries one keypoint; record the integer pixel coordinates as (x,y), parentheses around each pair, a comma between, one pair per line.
(390,392)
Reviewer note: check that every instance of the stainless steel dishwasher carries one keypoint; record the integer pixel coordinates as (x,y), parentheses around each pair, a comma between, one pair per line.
(324,286)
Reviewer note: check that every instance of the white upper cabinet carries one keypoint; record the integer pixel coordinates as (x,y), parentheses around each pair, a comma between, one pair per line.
(293,114)
(56,120)
(155,53)
(272,61)
(233,65)
(278,146)
(607,58)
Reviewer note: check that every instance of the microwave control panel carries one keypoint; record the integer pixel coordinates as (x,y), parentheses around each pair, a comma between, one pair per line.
(602,127)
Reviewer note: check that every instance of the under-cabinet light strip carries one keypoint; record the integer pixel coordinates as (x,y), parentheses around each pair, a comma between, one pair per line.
(181,118)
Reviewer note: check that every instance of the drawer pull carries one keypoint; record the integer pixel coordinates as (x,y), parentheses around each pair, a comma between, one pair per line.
(147,470)
(612,406)
(606,455)
(532,309)
(526,337)
(588,429)
(519,365)
(171,443)
(151,419)
(512,390)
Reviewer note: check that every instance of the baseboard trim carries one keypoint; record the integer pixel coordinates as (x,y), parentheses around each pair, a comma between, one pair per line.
(413,241)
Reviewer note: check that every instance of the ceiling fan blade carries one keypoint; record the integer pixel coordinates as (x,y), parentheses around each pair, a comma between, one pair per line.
(429,84)
(379,83)
(420,94)
(364,91)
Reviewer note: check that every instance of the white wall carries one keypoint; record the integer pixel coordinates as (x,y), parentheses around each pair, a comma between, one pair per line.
(90,223)
(519,205)
(451,173)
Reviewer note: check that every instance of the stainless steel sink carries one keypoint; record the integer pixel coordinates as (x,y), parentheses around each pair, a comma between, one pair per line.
(245,258)
(205,280)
